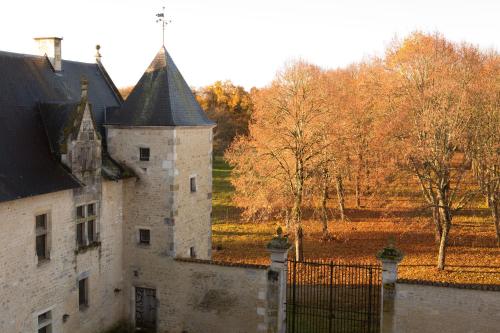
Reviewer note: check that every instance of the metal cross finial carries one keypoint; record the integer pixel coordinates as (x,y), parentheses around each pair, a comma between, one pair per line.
(160,18)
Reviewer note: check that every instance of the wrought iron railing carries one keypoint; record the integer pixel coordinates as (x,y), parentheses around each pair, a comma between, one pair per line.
(324,296)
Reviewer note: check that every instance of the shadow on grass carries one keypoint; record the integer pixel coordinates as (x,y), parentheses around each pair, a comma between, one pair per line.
(242,233)
(493,270)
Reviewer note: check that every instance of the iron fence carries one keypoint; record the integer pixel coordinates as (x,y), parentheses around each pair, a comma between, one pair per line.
(330,297)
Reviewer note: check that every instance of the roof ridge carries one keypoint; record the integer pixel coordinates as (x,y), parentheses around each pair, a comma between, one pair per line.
(17,54)
(37,56)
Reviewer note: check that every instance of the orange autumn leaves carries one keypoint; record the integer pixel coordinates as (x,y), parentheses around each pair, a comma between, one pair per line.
(417,113)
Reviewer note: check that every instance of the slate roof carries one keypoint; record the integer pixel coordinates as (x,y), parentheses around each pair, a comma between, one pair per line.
(112,170)
(56,117)
(27,165)
(161,98)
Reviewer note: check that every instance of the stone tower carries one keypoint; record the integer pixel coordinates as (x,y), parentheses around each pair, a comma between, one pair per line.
(165,137)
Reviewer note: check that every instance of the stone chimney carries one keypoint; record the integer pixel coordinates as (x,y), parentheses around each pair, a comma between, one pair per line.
(51,47)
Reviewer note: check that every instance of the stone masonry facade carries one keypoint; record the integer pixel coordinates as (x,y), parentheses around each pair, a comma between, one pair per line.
(122,236)
(30,287)
(159,199)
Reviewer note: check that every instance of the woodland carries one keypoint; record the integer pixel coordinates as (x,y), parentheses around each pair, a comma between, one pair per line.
(404,146)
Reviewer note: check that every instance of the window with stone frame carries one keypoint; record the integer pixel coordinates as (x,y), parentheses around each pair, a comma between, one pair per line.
(42,237)
(83,293)
(44,322)
(144,236)
(86,224)
(144,154)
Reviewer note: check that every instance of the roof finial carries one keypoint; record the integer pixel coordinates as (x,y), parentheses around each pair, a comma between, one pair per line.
(160,17)
(97,53)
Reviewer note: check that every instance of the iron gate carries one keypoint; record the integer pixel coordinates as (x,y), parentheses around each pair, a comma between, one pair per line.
(330,297)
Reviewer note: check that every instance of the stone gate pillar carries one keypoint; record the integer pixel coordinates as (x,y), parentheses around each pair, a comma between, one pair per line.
(390,258)
(276,283)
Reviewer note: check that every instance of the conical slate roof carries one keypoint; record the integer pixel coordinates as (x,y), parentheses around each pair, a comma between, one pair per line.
(161,98)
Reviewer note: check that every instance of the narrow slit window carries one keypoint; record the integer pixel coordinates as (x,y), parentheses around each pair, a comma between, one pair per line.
(41,241)
(83,301)
(192,184)
(144,154)
(192,252)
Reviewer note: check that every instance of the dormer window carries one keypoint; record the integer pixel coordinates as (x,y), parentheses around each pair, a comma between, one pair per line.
(144,154)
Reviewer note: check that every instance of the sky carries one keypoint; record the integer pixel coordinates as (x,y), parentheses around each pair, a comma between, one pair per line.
(245,41)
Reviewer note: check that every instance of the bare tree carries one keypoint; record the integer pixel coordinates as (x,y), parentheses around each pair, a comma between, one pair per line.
(434,79)
(485,148)
(285,136)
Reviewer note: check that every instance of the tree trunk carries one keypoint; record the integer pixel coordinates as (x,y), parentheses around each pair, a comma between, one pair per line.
(299,247)
(288,222)
(324,212)
(494,206)
(297,211)
(358,191)
(437,223)
(446,226)
(442,249)
(367,179)
(340,196)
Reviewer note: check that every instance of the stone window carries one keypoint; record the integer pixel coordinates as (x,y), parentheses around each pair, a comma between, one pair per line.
(144,236)
(83,293)
(192,183)
(42,237)
(86,225)
(91,234)
(144,154)
(192,252)
(44,323)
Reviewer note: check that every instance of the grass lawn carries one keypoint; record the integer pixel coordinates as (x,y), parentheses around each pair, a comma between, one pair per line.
(472,256)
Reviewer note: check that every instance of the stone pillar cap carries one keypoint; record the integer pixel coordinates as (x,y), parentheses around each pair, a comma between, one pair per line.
(279,243)
(390,253)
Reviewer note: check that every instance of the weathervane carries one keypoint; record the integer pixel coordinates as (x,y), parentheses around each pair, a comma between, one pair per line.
(160,17)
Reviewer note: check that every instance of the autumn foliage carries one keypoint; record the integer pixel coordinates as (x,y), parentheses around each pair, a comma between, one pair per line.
(230,107)
(426,114)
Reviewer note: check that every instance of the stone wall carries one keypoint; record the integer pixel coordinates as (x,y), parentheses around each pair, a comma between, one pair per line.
(425,308)
(29,287)
(160,199)
(192,224)
(197,297)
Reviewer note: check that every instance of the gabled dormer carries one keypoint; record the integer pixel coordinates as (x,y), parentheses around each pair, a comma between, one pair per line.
(73,135)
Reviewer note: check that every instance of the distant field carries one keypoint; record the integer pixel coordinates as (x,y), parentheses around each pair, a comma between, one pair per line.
(472,255)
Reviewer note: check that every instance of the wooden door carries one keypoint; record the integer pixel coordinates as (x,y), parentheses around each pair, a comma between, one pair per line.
(145,310)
